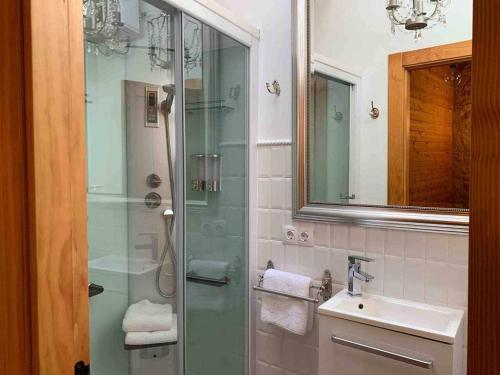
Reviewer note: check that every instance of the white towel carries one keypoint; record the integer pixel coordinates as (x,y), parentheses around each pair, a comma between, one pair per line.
(208,268)
(151,338)
(286,312)
(145,316)
(207,298)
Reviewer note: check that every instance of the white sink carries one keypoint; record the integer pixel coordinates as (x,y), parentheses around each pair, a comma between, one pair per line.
(432,322)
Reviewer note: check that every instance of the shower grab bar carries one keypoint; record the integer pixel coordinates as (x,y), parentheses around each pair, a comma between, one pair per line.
(381,352)
(207,280)
(283,294)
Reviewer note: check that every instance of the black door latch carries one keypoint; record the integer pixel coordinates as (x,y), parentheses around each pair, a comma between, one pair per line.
(95,289)
(82,369)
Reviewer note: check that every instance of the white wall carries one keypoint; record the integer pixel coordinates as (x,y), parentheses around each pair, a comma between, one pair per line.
(355,35)
(411,265)
(273,18)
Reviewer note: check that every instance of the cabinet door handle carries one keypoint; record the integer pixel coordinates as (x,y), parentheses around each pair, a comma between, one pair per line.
(383,353)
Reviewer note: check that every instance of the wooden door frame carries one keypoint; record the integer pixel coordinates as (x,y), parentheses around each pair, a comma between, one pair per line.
(400,65)
(56,176)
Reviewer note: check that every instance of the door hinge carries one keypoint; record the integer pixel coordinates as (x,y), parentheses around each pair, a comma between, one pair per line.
(82,369)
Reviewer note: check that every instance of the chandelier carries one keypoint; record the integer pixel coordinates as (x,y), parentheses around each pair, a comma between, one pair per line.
(102,23)
(416,15)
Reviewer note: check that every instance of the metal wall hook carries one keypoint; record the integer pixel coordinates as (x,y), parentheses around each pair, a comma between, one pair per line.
(276,89)
(374,113)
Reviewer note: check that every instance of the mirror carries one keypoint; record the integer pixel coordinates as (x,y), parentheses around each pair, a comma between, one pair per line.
(383,111)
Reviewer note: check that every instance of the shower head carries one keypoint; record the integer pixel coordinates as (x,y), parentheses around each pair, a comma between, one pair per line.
(170,91)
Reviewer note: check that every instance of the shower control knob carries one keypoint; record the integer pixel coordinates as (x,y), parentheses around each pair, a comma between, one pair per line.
(152,200)
(153,181)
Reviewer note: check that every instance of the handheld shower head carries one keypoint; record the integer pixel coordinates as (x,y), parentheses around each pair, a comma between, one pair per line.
(170,91)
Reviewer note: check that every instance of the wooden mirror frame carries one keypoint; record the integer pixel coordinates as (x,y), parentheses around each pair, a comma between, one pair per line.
(396,216)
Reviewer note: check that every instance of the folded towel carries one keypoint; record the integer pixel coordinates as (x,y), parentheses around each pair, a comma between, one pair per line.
(208,268)
(151,338)
(145,316)
(207,298)
(286,312)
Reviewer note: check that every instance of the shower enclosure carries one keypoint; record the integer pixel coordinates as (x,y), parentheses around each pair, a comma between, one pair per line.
(167,121)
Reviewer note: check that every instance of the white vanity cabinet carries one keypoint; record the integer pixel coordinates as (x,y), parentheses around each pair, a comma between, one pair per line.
(380,351)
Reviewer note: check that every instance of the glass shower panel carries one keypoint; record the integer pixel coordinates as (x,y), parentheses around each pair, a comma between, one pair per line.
(329,140)
(129,76)
(215,94)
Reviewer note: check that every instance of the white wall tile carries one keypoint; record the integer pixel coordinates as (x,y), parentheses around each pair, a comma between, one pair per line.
(436,247)
(264,162)
(306,261)
(287,193)
(339,236)
(322,234)
(277,161)
(263,224)
(263,253)
(288,161)
(321,261)
(292,258)
(459,249)
(414,284)
(395,243)
(375,240)
(264,192)
(277,193)
(415,245)
(278,254)
(393,276)
(357,238)
(338,265)
(457,285)
(376,269)
(276,224)
(436,283)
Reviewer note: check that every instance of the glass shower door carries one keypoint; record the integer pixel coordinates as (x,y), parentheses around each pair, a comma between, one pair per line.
(215,141)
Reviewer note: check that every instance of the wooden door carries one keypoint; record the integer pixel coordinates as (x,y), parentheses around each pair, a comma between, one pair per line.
(484,248)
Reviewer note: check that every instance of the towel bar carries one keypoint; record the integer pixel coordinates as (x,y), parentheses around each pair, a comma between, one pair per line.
(271,291)
(324,290)
(207,280)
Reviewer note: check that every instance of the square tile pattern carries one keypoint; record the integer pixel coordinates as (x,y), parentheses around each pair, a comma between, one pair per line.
(424,267)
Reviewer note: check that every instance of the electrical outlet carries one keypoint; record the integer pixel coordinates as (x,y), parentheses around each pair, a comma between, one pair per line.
(207,228)
(289,234)
(305,238)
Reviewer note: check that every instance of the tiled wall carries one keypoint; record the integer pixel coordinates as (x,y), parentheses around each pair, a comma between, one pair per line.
(424,267)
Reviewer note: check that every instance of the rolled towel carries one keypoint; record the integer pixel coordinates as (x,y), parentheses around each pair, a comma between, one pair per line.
(208,268)
(151,338)
(207,298)
(286,312)
(145,316)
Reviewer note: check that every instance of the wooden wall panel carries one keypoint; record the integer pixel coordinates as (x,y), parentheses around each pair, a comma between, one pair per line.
(462,119)
(431,138)
(484,250)
(57,184)
(14,266)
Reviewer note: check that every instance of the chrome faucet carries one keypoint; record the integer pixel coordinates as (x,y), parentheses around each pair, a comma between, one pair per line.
(354,272)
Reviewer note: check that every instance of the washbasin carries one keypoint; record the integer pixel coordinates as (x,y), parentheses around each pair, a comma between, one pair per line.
(423,320)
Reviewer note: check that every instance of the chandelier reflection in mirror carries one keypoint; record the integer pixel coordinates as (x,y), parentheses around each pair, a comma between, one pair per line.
(102,22)
(416,15)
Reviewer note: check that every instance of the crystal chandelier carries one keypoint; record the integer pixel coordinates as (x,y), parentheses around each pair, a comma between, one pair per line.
(102,23)
(416,15)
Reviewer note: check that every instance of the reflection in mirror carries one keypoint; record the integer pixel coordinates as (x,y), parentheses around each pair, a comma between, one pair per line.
(411,59)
